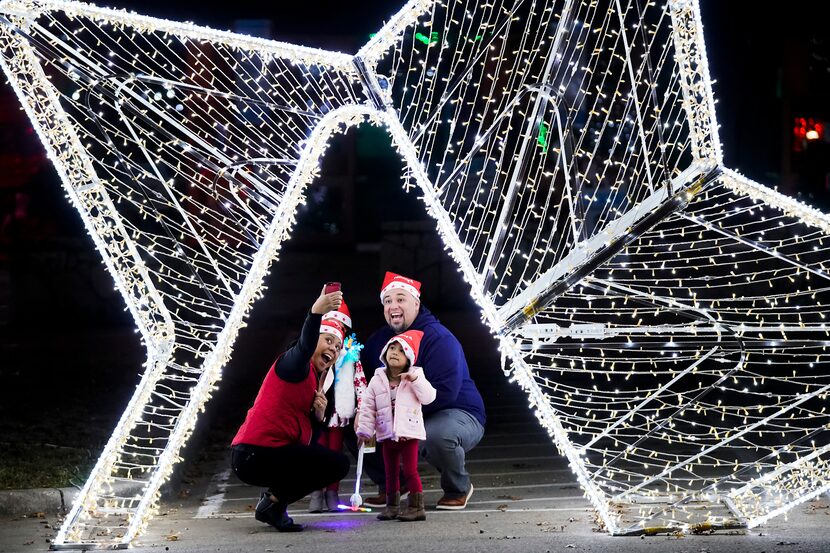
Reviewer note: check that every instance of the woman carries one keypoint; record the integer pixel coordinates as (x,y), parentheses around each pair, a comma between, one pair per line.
(273,446)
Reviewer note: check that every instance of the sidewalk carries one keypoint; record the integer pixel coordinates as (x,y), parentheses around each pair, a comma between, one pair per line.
(40,500)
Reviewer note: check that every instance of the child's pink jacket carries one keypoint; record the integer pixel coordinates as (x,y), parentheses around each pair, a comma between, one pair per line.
(408,420)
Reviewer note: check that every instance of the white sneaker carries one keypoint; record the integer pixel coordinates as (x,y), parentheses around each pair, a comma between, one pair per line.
(332,501)
(317,504)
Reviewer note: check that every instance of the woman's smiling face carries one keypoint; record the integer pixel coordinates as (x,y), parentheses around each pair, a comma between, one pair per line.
(328,348)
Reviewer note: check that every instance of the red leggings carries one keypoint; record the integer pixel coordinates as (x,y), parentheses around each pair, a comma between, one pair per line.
(394,453)
(332,438)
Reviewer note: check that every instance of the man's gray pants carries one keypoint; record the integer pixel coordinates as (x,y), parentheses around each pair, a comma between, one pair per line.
(451,434)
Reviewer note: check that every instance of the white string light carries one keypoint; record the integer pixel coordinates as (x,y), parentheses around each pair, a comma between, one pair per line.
(665,315)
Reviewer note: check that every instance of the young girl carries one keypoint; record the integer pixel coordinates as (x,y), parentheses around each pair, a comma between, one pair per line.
(392,408)
(344,385)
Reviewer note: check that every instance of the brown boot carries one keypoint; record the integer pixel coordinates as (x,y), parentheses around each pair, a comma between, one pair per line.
(414,509)
(393,507)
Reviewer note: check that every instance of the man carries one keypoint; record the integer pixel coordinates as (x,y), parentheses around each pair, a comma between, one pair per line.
(455,420)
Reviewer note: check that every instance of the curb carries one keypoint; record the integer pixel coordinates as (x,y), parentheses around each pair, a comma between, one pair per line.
(37,500)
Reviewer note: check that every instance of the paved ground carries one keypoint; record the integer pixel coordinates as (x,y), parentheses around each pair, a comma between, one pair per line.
(526,499)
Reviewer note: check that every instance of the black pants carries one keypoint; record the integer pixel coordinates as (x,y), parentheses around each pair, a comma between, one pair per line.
(290,472)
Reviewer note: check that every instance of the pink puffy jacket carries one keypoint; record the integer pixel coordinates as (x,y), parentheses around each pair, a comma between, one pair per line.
(376,415)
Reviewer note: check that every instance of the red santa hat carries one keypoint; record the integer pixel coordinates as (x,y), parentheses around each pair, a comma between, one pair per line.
(331,327)
(342,315)
(393,281)
(410,341)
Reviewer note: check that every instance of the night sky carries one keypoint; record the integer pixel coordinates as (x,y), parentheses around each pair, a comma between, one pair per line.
(770,64)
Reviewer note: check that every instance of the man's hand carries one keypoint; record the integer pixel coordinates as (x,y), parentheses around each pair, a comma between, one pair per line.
(327,302)
(319,405)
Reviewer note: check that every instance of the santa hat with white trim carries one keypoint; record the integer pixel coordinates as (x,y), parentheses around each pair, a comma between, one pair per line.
(342,315)
(393,281)
(332,327)
(410,341)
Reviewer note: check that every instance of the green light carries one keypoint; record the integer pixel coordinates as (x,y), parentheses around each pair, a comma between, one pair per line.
(542,137)
(431,39)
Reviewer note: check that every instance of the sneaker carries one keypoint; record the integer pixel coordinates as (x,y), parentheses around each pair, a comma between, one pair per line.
(379,500)
(270,513)
(316,504)
(332,500)
(454,503)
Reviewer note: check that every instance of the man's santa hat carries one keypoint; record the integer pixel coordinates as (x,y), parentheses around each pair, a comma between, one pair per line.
(393,281)
(342,315)
(332,327)
(410,341)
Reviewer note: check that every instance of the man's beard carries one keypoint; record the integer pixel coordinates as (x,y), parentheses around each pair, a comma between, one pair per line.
(399,326)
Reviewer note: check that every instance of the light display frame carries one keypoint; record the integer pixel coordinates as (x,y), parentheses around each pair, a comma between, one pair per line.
(111,513)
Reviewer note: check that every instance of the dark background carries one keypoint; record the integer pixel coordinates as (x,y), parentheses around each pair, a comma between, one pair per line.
(69,357)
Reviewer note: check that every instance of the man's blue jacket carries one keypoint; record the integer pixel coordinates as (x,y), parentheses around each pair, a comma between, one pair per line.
(443,361)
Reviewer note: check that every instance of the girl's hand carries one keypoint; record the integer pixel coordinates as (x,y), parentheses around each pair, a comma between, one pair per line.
(327,302)
(362,439)
(319,405)
(412,377)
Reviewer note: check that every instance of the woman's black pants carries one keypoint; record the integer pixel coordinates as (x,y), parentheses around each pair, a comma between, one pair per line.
(290,472)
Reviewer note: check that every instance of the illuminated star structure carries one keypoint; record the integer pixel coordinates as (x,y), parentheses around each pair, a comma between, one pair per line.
(665,315)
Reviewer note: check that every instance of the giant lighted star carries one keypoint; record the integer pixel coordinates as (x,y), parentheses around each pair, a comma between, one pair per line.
(664,314)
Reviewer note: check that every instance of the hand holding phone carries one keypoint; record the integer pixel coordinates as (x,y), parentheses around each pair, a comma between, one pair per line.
(326,302)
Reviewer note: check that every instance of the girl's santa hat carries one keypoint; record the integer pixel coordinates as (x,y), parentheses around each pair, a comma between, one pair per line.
(410,341)
(342,315)
(332,327)
(393,281)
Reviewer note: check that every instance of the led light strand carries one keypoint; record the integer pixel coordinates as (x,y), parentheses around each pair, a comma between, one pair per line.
(687,369)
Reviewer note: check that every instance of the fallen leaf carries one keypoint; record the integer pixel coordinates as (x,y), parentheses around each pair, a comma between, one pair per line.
(502,508)
(172,537)
(510,497)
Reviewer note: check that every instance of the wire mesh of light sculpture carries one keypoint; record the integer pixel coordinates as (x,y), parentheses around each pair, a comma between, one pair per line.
(664,314)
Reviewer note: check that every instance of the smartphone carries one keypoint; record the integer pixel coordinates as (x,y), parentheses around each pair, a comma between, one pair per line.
(332,287)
